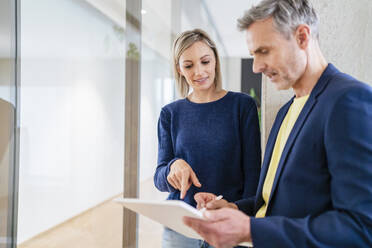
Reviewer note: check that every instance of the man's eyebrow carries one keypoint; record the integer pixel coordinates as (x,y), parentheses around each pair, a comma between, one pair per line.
(258,50)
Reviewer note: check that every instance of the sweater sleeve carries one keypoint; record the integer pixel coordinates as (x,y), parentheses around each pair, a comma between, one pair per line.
(251,153)
(165,153)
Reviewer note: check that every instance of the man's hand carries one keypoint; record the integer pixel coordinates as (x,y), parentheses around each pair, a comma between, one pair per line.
(222,228)
(208,201)
(181,176)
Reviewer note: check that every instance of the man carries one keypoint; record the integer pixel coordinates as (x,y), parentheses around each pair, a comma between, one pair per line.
(315,187)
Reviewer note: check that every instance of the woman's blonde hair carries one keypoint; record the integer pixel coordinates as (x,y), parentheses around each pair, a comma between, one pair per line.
(184,41)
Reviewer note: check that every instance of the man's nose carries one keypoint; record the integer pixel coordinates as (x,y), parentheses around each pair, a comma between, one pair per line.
(258,66)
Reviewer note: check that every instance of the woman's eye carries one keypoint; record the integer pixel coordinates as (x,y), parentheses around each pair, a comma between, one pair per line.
(205,62)
(188,66)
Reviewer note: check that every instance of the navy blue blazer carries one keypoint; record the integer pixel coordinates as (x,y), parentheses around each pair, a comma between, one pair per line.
(322,192)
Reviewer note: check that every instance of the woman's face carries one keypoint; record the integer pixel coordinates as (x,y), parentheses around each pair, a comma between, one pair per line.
(198,65)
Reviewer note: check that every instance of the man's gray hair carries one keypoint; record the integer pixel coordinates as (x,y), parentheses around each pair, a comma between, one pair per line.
(287,15)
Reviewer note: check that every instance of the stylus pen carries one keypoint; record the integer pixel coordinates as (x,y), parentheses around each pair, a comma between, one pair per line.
(216,199)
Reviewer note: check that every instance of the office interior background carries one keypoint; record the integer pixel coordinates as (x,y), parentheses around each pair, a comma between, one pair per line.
(65,69)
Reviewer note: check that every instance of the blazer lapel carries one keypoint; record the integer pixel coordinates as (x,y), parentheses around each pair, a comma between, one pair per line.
(318,89)
(269,150)
(292,137)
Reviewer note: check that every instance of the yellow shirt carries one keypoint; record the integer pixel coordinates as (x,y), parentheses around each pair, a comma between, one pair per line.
(284,131)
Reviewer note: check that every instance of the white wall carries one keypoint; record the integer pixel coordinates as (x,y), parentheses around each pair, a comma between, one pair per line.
(367,60)
(233,73)
(72,112)
(345,38)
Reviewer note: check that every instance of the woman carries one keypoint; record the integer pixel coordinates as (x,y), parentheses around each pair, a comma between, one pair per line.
(209,141)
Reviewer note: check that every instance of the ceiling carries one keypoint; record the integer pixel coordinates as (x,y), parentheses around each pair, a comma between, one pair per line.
(225,13)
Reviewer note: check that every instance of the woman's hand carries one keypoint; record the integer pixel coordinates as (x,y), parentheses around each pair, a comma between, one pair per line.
(203,198)
(209,201)
(181,176)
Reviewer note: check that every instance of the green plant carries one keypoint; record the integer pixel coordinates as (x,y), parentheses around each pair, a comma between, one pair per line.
(253,94)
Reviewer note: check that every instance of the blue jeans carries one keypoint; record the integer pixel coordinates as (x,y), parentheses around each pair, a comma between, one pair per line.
(172,239)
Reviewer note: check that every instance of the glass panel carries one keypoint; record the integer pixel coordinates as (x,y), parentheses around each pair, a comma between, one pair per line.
(157,89)
(132,93)
(72,123)
(7,121)
(162,21)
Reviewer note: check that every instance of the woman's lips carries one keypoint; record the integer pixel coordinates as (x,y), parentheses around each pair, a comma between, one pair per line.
(201,80)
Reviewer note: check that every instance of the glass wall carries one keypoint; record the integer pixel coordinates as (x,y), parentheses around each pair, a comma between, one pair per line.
(162,21)
(157,89)
(73,59)
(72,123)
(7,122)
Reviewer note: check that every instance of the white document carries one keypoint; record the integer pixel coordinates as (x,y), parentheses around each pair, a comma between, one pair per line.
(168,213)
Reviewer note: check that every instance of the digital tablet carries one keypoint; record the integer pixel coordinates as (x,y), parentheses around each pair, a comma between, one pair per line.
(168,213)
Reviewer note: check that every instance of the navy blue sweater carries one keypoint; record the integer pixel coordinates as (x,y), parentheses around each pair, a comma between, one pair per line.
(220,140)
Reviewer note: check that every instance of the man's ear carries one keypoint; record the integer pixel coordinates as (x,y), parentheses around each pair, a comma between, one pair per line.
(303,35)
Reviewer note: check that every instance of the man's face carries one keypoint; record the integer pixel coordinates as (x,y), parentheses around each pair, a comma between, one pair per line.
(278,57)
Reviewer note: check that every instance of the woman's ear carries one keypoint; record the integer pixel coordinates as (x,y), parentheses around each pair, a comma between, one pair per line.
(179,70)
